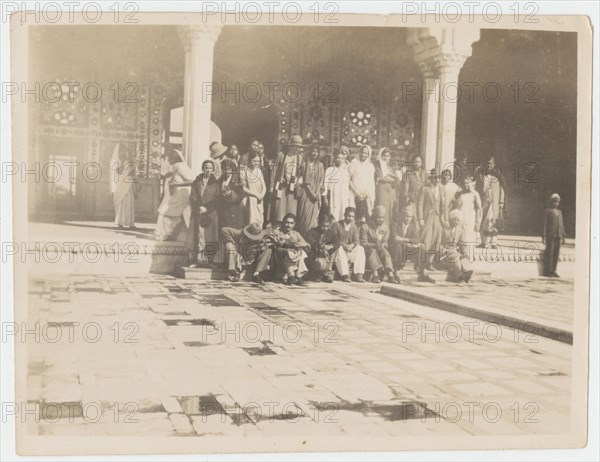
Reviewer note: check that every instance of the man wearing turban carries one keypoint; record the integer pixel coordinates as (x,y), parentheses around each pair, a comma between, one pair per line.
(453,255)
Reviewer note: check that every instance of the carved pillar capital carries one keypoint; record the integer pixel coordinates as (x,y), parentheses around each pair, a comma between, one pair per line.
(192,36)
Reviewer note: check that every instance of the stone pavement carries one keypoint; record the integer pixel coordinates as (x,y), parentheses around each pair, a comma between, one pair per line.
(157,356)
(540,305)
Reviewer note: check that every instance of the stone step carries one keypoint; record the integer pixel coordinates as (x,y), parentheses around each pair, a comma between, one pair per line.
(440,276)
(200,274)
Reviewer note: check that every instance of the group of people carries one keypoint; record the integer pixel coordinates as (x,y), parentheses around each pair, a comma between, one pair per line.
(307,215)
(304,213)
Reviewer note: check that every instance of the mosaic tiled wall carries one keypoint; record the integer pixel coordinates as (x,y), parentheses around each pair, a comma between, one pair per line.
(133,114)
(379,123)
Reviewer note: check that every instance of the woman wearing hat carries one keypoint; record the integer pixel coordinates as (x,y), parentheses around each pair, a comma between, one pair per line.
(286,178)
(204,231)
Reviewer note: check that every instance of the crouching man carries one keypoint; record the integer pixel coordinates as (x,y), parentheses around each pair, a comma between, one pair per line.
(405,245)
(289,252)
(374,236)
(453,256)
(350,251)
(324,249)
(246,248)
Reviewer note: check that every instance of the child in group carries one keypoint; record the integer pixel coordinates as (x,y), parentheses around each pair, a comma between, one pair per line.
(553,236)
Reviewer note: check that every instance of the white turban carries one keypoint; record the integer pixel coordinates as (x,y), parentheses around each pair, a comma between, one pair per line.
(455,214)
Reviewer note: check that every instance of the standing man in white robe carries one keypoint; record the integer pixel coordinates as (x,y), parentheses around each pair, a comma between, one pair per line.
(337,188)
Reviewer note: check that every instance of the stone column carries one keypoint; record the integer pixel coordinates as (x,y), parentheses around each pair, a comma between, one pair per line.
(440,52)
(429,117)
(449,66)
(199,43)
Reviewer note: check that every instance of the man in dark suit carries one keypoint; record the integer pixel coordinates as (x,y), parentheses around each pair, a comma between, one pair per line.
(374,236)
(554,235)
(350,252)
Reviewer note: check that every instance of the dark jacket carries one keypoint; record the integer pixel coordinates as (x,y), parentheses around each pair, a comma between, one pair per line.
(209,198)
(553,224)
(346,237)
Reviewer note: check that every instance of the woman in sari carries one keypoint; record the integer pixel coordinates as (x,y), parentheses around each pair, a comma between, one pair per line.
(254,190)
(385,181)
(124,186)
(230,195)
(174,210)
(204,231)
(310,191)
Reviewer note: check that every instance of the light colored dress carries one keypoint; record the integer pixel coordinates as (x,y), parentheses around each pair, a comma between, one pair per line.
(469,204)
(362,177)
(337,185)
(174,208)
(252,207)
(123,195)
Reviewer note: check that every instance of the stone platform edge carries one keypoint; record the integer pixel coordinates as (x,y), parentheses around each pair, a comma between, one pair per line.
(462,309)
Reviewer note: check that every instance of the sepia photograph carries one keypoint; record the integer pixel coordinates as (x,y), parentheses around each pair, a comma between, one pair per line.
(303,231)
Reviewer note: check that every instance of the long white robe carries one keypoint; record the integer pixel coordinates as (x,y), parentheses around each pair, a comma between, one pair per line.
(337,187)
(362,176)
(175,205)
(123,197)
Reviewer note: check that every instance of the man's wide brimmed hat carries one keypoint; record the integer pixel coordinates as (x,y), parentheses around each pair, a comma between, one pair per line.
(295,140)
(254,232)
(217,149)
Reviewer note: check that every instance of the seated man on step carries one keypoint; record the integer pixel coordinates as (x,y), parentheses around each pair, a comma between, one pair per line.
(374,236)
(246,248)
(350,252)
(405,244)
(324,247)
(453,255)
